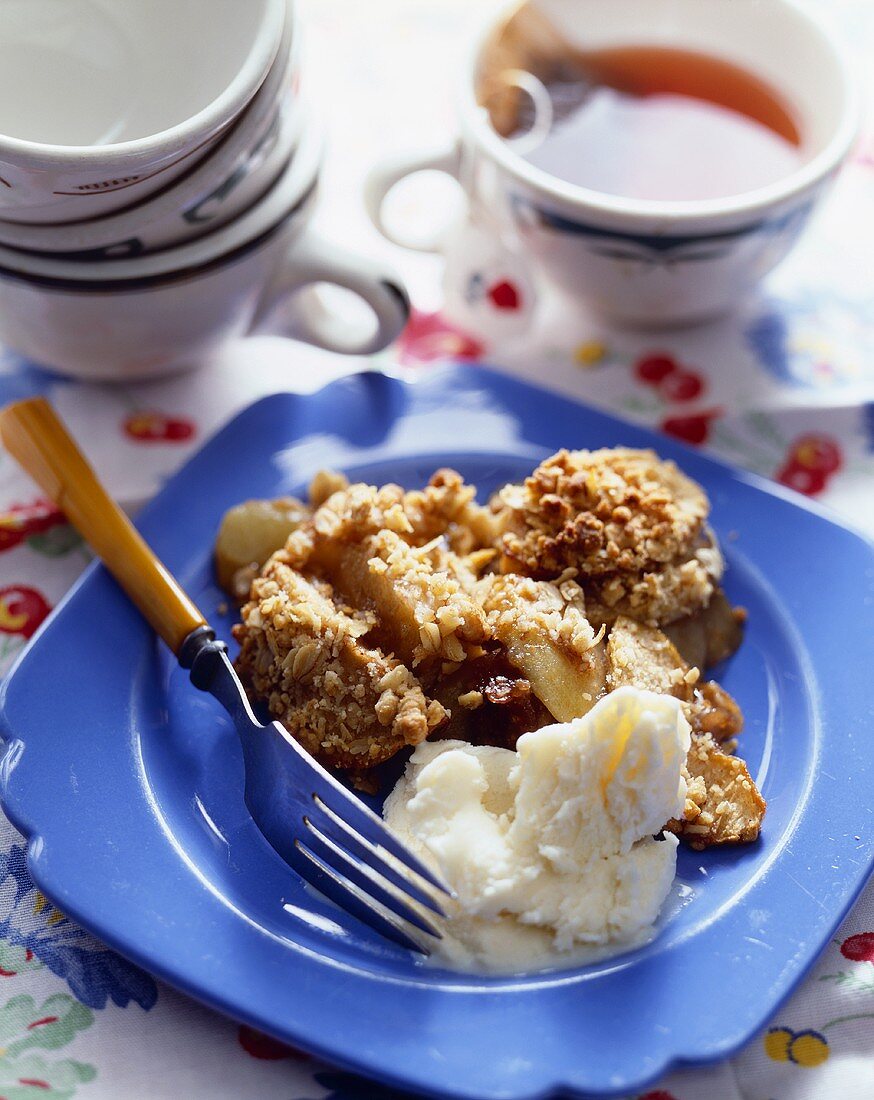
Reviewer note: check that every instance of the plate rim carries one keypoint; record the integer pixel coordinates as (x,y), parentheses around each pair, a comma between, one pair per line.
(447,376)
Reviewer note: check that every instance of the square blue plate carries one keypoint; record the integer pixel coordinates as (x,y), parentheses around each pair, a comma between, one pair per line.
(129,783)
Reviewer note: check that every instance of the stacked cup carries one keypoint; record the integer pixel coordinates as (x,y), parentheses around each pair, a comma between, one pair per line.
(158,168)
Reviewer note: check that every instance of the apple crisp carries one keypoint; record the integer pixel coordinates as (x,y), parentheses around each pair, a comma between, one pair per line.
(601,512)
(377,617)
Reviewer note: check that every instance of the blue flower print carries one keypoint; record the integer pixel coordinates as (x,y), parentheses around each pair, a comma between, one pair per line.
(815,340)
(94,974)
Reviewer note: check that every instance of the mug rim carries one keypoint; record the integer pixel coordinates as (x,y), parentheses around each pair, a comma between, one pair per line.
(475,121)
(143,213)
(208,121)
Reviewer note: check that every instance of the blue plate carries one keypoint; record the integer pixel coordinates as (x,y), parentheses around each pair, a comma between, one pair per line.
(129,782)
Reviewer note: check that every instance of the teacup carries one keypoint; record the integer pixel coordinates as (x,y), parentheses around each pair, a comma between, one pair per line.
(235,173)
(645,261)
(105,101)
(154,315)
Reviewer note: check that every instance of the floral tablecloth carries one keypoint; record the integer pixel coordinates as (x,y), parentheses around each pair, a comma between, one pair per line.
(786,388)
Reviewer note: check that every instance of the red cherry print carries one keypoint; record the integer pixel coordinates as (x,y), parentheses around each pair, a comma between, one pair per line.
(816,452)
(20,521)
(859,948)
(10,534)
(681,385)
(262,1046)
(653,368)
(155,427)
(22,609)
(691,429)
(178,430)
(504,295)
(428,336)
(801,478)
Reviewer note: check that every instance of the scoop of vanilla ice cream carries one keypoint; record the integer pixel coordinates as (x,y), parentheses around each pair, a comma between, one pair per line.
(596,785)
(551,848)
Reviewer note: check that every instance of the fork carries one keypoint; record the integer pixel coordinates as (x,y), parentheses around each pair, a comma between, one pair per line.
(326,834)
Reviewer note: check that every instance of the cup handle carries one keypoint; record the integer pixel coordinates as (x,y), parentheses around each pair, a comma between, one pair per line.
(384,177)
(312,259)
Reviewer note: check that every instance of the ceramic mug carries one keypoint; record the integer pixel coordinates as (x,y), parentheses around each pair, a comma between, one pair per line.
(653,262)
(152,316)
(104,101)
(234,174)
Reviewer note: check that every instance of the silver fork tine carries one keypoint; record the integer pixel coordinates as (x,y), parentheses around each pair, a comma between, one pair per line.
(366,879)
(283,784)
(341,834)
(364,821)
(348,896)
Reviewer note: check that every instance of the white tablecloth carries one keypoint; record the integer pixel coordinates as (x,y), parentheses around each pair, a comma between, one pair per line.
(784,388)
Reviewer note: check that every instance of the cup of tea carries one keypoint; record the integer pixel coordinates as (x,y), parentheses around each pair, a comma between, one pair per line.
(655,158)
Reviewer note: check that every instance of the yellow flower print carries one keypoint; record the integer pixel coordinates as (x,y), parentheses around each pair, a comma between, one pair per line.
(590,353)
(805,1048)
(777,1042)
(808,1049)
(41,902)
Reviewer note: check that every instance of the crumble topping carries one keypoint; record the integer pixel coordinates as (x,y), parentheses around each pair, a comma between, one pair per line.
(426,613)
(723,804)
(605,511)
(445,508)
(678,589)
(518,606)
(350,705)
(325,484)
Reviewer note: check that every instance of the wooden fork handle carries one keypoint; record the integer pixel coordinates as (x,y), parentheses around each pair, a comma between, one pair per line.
(36,438)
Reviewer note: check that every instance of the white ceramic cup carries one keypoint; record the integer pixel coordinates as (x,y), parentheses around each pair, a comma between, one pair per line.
(249,158)
(653,262)
(105,101)
(155,315)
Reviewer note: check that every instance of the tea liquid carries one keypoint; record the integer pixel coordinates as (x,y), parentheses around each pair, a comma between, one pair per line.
(649,122)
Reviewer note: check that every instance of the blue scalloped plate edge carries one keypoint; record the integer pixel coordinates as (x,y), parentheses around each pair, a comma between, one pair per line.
(681,1054)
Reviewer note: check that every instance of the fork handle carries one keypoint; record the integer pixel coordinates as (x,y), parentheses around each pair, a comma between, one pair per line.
(36,438)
